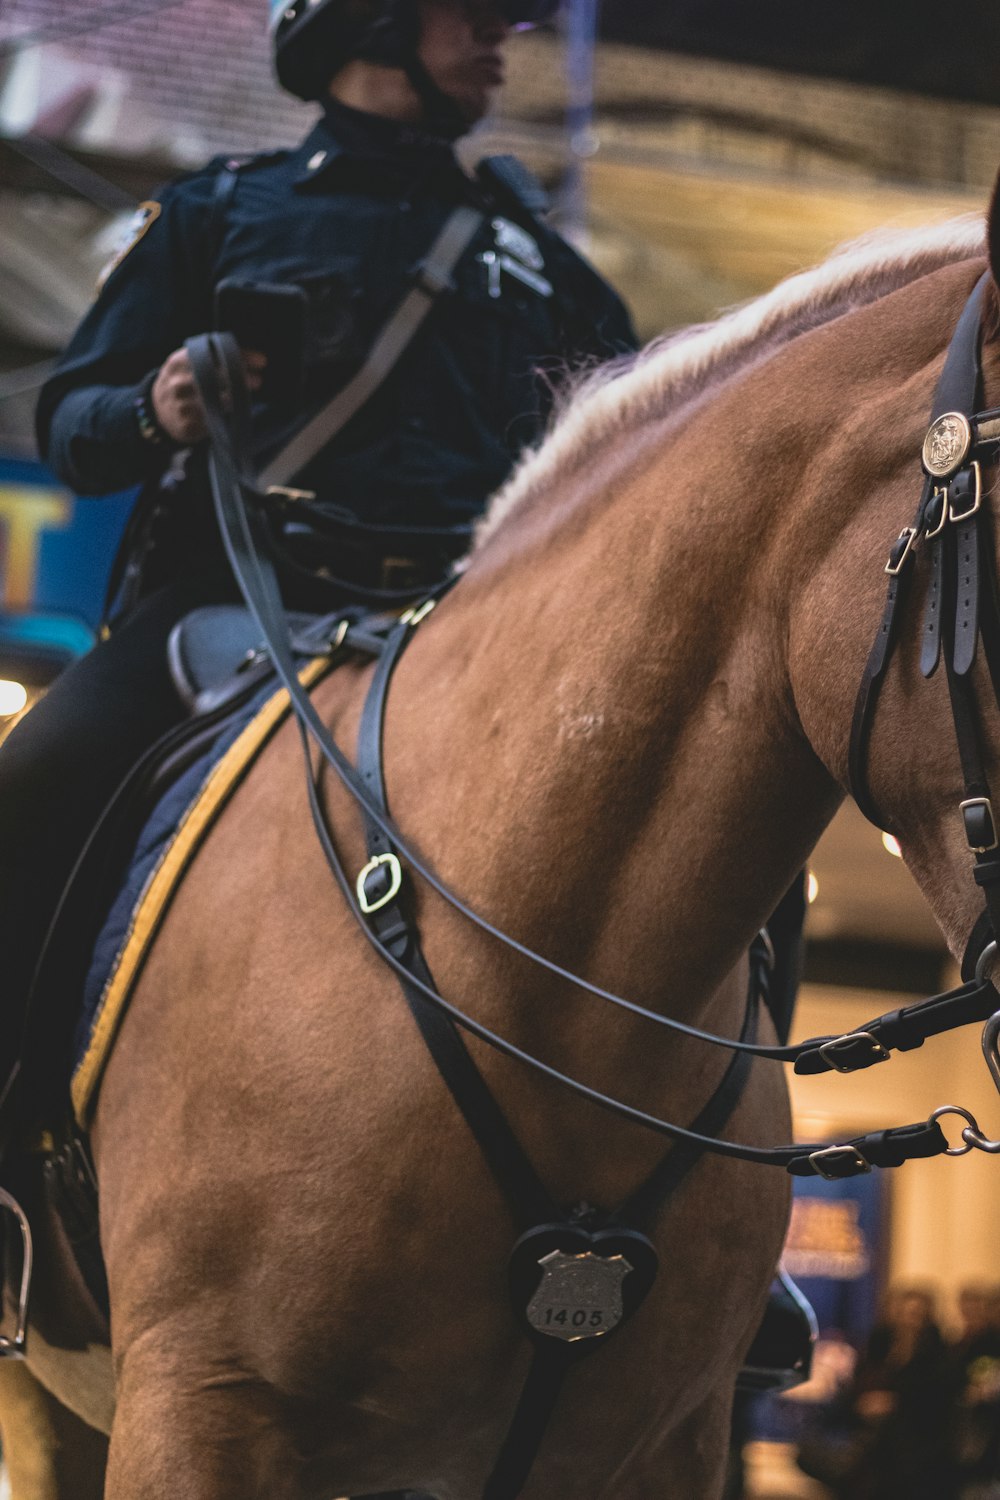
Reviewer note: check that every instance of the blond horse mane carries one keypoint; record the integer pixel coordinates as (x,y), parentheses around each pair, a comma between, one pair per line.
(675,369)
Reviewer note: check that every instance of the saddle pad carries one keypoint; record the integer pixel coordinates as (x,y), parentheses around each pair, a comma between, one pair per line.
(168,843)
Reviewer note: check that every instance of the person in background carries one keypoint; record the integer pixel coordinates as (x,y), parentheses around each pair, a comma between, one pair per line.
(974,1362)
(899,1402)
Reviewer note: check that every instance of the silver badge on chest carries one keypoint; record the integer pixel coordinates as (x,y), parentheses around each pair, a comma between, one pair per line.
(516,254)
(580,1296)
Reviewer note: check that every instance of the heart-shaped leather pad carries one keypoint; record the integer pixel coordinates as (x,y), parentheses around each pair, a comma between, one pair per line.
(577,1285)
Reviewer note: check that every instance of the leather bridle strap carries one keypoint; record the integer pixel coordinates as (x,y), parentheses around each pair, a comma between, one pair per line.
(897,593)
(961,606)
(956,390)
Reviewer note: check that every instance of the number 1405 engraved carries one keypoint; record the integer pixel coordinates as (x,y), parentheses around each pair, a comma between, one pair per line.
(579,1296)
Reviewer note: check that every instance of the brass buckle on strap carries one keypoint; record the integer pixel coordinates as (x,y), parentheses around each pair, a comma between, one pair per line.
(413,617)
(898,556)
(840,1161)
(982,838)
(369,904)
(977,499)
(932,532)
(860,1049)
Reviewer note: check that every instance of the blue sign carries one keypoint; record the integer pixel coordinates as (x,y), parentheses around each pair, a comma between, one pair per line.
(833,1251)
(55,550)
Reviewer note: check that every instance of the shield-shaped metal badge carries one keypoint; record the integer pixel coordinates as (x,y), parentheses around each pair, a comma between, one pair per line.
(579,1296)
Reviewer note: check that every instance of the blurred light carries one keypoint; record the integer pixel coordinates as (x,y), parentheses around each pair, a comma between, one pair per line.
(13,697)
(892,845)
(812,887)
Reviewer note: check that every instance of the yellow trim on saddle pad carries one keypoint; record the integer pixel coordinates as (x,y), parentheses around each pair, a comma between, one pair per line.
(154,901)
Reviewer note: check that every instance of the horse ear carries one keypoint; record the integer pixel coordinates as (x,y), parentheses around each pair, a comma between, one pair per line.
(991,304)
(993,233)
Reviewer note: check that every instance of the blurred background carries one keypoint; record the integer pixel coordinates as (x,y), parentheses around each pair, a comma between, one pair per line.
(698,150)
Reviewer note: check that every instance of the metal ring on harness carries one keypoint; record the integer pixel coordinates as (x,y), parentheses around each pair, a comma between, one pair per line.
(14,1348)
(984,961)
(971,1128)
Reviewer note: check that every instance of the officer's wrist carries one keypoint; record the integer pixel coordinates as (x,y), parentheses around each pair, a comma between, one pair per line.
(151,429)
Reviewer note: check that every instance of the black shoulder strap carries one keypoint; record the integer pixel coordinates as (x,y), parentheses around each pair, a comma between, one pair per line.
(432,277)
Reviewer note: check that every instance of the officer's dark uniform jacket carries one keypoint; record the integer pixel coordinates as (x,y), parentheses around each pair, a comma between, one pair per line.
(346,217)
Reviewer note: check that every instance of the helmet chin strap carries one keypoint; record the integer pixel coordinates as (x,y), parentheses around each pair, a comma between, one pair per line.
(394,41)
(442,115)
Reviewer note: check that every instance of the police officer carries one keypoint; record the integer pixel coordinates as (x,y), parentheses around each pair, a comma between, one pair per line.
(304,253)
(338,227)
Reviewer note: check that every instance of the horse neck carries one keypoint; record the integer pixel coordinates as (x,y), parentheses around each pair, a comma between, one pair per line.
(657,667)
(616,667)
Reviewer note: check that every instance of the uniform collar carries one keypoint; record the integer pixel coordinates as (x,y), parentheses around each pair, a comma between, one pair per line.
(343,134)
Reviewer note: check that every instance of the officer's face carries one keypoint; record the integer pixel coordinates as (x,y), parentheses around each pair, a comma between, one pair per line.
(461,46)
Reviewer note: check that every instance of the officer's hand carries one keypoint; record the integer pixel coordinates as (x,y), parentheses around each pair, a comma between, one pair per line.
(176,401)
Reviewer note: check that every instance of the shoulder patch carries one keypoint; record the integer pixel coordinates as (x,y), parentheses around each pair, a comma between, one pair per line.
(138,225)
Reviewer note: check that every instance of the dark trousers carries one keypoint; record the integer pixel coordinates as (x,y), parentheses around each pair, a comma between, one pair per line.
(62,763)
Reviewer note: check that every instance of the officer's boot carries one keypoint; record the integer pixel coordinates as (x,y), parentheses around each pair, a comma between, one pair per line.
(781,1354)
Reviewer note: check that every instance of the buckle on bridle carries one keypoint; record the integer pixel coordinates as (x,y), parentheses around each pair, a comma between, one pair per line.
(837,1162)
(850,1053)
(900,553)
(979,824)
(976,475)
(393,870)
(932,531)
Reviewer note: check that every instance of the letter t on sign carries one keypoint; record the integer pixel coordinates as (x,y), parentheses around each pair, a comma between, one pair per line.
(25,513)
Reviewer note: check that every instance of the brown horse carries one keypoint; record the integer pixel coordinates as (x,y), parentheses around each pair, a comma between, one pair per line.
(618,738)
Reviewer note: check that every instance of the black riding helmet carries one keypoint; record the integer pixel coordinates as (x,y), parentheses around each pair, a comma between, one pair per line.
(313,39)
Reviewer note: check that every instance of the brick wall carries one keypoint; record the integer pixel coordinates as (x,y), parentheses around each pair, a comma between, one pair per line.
(193,77)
